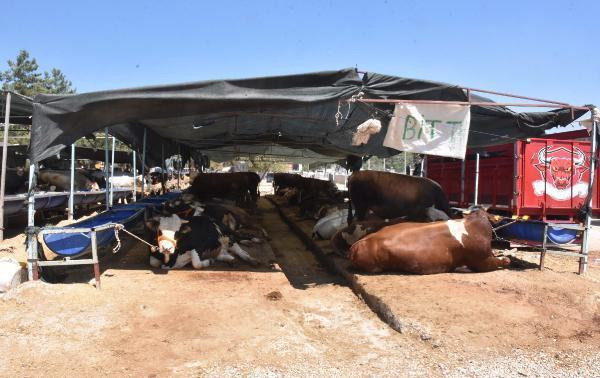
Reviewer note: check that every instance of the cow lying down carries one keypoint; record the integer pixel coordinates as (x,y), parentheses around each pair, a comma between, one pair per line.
(345,237)
(230,219)
(197,241)
(335,224)
(428,248)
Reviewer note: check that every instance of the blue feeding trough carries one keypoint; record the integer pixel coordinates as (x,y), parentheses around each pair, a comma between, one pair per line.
(533,231)
(75,244)
(69,244)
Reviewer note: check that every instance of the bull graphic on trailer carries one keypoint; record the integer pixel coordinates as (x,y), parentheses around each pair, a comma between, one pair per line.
(561,172)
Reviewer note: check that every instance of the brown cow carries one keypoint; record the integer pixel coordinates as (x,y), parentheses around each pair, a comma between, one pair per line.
(428,248)
(391,195)
(253,183)
(240,186)
(61,180)
(285,180)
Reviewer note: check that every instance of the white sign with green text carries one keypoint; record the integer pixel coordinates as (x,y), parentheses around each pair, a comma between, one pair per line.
(431,129)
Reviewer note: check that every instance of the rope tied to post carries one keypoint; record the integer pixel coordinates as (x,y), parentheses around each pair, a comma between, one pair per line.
(494,229)
(119,227)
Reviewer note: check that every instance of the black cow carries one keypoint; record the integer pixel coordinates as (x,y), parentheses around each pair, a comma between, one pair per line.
(16,180)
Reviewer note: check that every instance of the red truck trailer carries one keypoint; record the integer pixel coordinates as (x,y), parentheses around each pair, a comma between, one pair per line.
(545,179)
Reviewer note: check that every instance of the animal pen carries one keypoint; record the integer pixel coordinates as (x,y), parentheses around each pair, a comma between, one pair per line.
(308,117)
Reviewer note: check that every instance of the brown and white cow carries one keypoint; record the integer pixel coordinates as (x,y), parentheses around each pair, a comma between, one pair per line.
(428,248)
(390,195)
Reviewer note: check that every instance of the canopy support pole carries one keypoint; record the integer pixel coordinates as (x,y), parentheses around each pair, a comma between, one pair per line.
(404,155)
(31,235)
(422,173)
(162,168)
(583,260)
(476,194)
(112,172)
(463,166)
(4,154)
(72,186)
(106,178)
(134,178)
(179,161)
(384,164)
(144,164)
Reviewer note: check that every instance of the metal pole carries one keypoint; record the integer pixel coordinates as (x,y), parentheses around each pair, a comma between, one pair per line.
(4,154)
(369,163)
(144,164)
(31,241)
(134,177)
(476,179)
(72,186)
(384,164)
(162,167)
(583,261)
(404,154)
(95,259)
(422,174)
(463,166)
(179,161)
(112,171)
(106,178)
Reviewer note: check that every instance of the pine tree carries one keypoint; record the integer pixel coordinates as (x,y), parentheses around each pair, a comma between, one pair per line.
(22,76)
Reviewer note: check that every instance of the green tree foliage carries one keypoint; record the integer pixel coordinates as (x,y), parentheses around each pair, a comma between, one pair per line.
(22,76)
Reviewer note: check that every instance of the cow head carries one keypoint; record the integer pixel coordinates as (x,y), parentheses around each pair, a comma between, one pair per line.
(166,228)
(561,164)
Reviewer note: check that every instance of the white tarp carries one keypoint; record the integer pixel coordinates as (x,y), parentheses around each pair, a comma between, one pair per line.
(432,129)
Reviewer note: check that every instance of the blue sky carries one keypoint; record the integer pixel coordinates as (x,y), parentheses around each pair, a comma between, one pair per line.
(545,49)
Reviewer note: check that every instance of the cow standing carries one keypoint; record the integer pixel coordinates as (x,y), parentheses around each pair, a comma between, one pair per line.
(240,186)
(16,180)
(390,195)
(429,248)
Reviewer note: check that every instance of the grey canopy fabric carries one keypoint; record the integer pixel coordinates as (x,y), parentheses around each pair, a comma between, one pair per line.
(258,115)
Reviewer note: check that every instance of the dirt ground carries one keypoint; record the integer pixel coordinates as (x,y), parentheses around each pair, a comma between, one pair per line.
(520,311)
(292,317)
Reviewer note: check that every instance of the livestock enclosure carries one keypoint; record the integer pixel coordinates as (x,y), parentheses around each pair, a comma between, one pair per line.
(292,306)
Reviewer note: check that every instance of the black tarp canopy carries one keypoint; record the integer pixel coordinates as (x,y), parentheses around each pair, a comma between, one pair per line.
(279,115)
(21,108)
